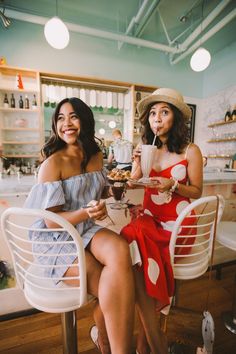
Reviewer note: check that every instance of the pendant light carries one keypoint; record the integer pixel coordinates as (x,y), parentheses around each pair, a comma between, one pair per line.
(201,58)
(56,32)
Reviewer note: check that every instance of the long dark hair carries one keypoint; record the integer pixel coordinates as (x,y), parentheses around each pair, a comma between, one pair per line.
(86,138)
(178,134)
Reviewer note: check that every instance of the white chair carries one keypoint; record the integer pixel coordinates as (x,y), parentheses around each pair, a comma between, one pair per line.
(193,264)
(40,290)
(198,256)
(226,236)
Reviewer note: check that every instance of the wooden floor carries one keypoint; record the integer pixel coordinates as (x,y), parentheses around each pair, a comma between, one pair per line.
(41,333)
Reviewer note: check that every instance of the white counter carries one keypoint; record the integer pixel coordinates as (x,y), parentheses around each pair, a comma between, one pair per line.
(11,185)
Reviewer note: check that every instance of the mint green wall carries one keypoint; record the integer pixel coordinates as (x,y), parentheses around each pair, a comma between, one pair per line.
(222,71)
(24,45)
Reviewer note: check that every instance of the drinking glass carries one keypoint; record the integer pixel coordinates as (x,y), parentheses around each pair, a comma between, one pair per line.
(118,190)
(147,158)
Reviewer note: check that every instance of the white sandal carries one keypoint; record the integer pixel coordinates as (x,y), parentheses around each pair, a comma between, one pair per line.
(94,335)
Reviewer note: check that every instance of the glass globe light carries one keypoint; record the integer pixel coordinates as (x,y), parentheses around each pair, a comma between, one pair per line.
(102,131)
(112,124)
(56,33)
(200,59)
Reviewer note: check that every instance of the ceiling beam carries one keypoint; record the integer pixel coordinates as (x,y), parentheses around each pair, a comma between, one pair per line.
(206,36)
(94,32)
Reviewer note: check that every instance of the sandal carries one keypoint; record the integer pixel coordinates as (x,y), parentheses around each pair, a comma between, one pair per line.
(94,335)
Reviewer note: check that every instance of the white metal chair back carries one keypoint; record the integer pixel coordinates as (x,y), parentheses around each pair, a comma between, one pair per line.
(192,238)
(31,264)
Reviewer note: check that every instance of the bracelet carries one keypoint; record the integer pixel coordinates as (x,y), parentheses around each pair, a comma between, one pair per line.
(175,185)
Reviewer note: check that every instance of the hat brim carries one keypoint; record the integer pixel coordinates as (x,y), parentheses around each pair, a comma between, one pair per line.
(146,101)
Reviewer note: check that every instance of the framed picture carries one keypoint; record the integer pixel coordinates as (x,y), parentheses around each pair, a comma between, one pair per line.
(191,123)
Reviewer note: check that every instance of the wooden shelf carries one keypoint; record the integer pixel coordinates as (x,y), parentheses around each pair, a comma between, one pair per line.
(15,90)
(22,156)
(221,122)
(12,71)
(21,142)
(30,110)
(21,129)
(221,140)
(219,156)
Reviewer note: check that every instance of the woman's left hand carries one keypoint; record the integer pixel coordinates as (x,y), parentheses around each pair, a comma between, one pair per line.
(164,184)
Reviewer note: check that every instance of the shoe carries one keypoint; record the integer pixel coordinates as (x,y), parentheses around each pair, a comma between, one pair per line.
(175,348)
(94,335)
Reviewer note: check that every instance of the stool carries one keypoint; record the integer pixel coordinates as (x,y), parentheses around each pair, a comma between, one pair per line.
(226,236)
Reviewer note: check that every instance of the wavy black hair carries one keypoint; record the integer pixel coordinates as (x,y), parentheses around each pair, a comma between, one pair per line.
(86,138)
(178,134)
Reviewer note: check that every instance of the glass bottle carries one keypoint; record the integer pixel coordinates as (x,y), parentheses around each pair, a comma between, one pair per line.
(21,103)
(233,115)
(34,103)
(13,102)
(26,102)
(227,115)
(5,101)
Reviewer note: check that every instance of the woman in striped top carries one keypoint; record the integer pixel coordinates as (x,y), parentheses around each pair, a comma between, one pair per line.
(71,176)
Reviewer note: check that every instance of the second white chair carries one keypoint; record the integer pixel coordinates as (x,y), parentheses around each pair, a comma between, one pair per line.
(39,289)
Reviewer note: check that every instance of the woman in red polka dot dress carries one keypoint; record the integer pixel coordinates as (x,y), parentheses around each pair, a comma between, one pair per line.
(177,168)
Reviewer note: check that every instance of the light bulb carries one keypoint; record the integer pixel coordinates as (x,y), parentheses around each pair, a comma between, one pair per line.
(56,33)
(102,131)
(200,59)
(112,124)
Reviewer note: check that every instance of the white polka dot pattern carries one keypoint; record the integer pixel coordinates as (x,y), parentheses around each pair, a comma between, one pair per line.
(168,225)
(178,172)
(147,211)
(161,198)
(181,206)
(153,270)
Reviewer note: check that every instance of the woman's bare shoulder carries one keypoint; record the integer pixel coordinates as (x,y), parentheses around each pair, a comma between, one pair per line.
(50,169)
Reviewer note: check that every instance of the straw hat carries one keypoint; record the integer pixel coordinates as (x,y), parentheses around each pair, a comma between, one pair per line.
(165,95)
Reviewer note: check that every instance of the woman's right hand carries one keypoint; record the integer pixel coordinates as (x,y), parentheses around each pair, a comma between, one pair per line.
(97,211)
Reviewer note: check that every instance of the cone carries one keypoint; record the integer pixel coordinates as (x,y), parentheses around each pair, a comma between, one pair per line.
(19,82)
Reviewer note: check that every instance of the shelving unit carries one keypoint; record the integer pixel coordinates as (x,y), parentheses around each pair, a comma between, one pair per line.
(223,139)
(21,129)
(221,122)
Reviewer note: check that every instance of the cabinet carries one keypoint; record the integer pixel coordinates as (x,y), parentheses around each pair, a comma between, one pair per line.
(20,128)
(223,139)
(138,93)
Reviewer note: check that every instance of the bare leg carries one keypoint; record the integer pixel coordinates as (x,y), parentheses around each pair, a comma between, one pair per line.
(147,312)
(116,288)
(94,269)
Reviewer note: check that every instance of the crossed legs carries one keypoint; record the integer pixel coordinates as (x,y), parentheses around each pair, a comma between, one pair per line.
(110,279)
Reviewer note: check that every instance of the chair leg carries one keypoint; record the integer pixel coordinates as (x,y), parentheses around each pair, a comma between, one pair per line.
(230,317)
(69,332)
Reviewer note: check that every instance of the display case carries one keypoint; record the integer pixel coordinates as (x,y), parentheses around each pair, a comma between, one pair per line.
(20,114)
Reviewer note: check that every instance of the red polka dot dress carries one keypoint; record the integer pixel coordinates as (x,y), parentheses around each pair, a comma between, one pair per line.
(149,234)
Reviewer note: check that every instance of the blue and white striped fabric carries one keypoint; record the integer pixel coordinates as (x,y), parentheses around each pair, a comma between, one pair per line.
(72,193)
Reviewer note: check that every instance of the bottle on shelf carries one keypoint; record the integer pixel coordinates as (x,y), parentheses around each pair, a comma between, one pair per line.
(26,102)
(13,102)
(21,103)
(34,103)
(5,101)
(233,115)
(227,115)
(138,96)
